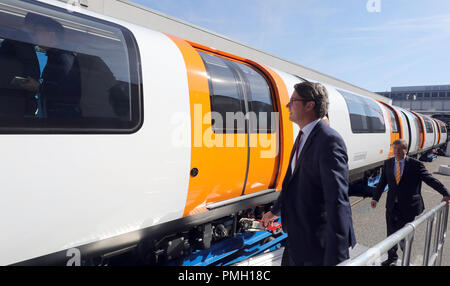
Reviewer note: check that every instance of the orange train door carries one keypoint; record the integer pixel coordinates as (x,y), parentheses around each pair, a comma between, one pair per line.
(421,127)
(270,130)
(218,155)
(396,126)
(258,120)
(438,130)
(247,151)
(235,138)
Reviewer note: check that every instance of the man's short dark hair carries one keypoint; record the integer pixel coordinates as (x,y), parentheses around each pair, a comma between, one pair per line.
(402,143)
(315,92)
(33,20)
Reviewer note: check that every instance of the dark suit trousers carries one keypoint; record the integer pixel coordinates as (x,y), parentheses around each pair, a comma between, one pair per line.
(395,221)
(287,260)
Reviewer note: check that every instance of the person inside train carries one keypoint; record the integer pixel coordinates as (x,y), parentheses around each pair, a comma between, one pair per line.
(60,85)
(18,62)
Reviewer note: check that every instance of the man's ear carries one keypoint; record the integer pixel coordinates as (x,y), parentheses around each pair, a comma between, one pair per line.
(311,105)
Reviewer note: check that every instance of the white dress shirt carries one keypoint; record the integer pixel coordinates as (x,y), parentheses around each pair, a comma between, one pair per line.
(306,131)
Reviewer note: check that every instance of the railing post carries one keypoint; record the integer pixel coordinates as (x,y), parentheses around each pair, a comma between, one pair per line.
(408,245)
(437,236)
(407,235)
(426,253)
(444,212)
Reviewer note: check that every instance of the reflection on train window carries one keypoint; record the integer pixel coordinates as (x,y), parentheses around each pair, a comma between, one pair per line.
(259,100)
(393,121)
(418,127)
(226,95)
(442,127)
(65,73)
(366,115)
(231,86)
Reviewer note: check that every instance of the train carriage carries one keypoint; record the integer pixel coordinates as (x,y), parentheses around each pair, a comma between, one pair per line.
(117,138)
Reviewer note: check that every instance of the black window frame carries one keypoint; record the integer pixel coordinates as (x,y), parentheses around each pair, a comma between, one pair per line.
(366,102)
(247,99)
(442,127)
(394,120)
(86,126)
(428,125)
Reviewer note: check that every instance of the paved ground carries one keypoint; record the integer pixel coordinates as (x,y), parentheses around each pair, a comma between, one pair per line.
(370,224)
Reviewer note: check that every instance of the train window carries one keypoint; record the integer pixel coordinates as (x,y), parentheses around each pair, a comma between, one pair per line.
(232,84)
(428,124)
(65,72)
(226,94)
(393,120)
(419,125)
(443,127)
(366,115)
(259,100)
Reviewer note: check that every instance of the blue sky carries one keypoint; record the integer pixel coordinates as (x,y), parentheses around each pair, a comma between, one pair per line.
(406,43)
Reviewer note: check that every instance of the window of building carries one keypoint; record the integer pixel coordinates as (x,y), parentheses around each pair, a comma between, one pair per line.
(366,115)
(235,90)
(399,96)
(66,73)
(442,94)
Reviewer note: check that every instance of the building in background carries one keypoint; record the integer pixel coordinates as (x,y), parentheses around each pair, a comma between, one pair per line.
(432,100)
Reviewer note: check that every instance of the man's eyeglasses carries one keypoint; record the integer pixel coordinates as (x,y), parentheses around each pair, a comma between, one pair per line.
(298,99)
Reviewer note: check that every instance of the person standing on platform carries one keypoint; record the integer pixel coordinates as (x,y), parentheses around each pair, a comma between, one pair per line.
(314,205)
(404,176)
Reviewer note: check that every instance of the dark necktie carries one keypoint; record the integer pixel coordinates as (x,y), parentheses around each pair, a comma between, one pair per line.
(297,147)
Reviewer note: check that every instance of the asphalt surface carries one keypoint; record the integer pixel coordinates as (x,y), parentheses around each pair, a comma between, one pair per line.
(370,224)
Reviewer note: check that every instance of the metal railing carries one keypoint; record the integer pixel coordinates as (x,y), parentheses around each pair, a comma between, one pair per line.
(371,256)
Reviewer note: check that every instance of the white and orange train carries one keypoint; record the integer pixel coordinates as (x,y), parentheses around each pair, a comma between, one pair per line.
(144,163)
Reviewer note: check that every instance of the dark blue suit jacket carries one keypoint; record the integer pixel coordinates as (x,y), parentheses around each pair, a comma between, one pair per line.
(408,191)
(314,205)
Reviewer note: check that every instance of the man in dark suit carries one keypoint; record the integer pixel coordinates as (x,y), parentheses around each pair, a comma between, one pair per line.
(314,206)
(17,59)
(404,176)
(60,90)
